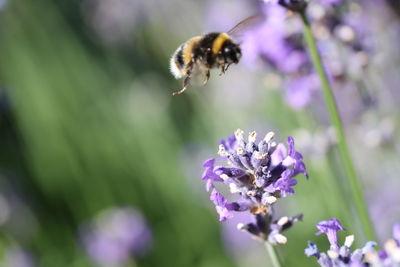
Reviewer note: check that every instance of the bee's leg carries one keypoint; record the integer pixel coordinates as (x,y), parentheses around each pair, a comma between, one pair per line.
(222,70)
(187,79)
(185,85)
(207,77)
(227,66)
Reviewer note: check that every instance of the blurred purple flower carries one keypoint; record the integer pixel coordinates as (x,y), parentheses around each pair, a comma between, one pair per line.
(389,256)
(267,39)
(338,255)
(116,235)
(275,42)
(17,257)
(114,21)
(258,173)
(396,232)
(278,41)
(299,90)
(330,2)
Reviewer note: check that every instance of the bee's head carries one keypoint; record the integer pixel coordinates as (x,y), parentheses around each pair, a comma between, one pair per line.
(231,52)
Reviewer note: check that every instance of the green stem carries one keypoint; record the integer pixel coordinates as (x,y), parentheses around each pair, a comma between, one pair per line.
(273,254)
(351,175)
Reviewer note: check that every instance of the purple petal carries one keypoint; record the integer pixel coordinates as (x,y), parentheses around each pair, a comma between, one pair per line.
(291,150)
(295,158)
(209,185)
(330,228)
(285,183)
(311,250)
(382,254)
(217,198)
(278,155)
(396,232)
(229,144)
(209,173)
(330,2)
(220,205)
(368,247)
(209,163)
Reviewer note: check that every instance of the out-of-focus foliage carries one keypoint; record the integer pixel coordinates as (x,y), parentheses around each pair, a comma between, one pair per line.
(88,123)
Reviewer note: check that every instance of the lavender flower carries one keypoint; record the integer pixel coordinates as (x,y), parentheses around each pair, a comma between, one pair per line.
(115,235)
(389,256)
(278,42)
(337,255)
(257,174)
(284,52)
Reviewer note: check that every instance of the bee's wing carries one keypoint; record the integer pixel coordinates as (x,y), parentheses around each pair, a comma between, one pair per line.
(248,23)
(198,75)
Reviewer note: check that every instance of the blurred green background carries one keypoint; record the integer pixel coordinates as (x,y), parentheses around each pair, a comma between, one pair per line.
(87,122)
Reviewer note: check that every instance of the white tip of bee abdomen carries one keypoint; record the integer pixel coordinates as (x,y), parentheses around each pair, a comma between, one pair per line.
(175,70)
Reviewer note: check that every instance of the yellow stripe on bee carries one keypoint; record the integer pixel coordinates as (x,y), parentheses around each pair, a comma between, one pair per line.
(188,48)
(219,42)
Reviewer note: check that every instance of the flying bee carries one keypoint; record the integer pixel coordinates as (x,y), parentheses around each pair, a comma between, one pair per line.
(199,54)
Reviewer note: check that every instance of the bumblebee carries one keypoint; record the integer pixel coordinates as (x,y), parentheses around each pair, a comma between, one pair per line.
(199,54)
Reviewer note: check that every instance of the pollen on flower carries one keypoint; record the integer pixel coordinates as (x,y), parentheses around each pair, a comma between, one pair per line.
(239,134)
(240,151)
(333,254)
(221,151)
(234,188)
(224,177)
(372,257)
(270,199)
(281,239)
(240,226)
(269,136)
(283,220)
(258,209)
(251,193)
(252,137)
(259,155)
(390,245)
(349,240)
(289,161)
(396,255)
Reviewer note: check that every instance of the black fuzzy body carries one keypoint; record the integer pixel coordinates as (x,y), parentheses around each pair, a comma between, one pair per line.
(204,54)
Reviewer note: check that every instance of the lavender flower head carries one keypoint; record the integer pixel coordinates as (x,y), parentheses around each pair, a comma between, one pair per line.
(116,235)
(337,255)
(257,175)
